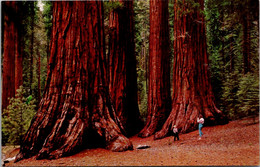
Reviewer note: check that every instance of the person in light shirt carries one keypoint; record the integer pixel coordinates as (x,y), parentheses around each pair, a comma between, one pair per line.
(200,120)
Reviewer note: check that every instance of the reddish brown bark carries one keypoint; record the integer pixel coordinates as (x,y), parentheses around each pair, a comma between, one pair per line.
(31,5)
(122,67)
(159,100)
(192,92)
(76,106)
(246,41)
(18,50)
(12,57)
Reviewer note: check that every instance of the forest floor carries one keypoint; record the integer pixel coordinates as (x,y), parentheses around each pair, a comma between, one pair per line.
(236,143)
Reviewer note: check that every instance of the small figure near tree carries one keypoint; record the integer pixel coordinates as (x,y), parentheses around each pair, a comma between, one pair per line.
(200,120)
(192,91)
(175,133)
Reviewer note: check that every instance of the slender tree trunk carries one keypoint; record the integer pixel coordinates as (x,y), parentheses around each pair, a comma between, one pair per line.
(231,68)
(249,18)
(146,73)
(18,50)
(8,89)
(246,42)
(48,51)
(159,100)
(192,92)
(76,108)
(32,45)
(231,55)
(39,74)
(122,67)
(222,51)
(12,57)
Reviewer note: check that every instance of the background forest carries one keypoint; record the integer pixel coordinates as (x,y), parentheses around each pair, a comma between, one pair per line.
(232,30)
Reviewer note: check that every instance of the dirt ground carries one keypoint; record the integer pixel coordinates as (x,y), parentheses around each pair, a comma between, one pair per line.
(236,143)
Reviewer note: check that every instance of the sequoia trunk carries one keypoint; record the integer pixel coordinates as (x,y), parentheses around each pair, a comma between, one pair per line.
(12,57)
(76,108)
(122,67)
(192,92)
(159,100)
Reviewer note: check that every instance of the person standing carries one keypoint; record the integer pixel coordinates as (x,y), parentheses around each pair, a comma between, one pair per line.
(175,133)
(200,120)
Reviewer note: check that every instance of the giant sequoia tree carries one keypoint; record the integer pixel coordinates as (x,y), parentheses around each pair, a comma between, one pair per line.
(122,67)
(76,107)
(159,100)
(192,92)
(12,57)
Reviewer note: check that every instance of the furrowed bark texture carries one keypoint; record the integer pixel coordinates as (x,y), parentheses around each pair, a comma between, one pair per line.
(122,67)
(12,57)
(159,100)
(192,92)
(76,106)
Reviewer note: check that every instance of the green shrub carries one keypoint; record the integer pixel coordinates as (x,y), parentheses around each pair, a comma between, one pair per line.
(229,97)
(240,96)
(248,95)
(17,117)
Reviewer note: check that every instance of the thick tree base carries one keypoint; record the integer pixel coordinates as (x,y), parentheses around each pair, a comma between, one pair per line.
(120,144)
(147,131)
(72,129)
(187,120)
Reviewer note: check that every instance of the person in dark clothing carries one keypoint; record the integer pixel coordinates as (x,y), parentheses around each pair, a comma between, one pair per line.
(175,133)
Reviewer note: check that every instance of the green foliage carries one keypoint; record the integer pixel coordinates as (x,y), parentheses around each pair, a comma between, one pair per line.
(141,20)
(171,31)
(111,5)
(229,96)
(142,93)
(248,95)
(36,39)
(47,17)
(187,7)
(241,95)
(236,93)
(17,117)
